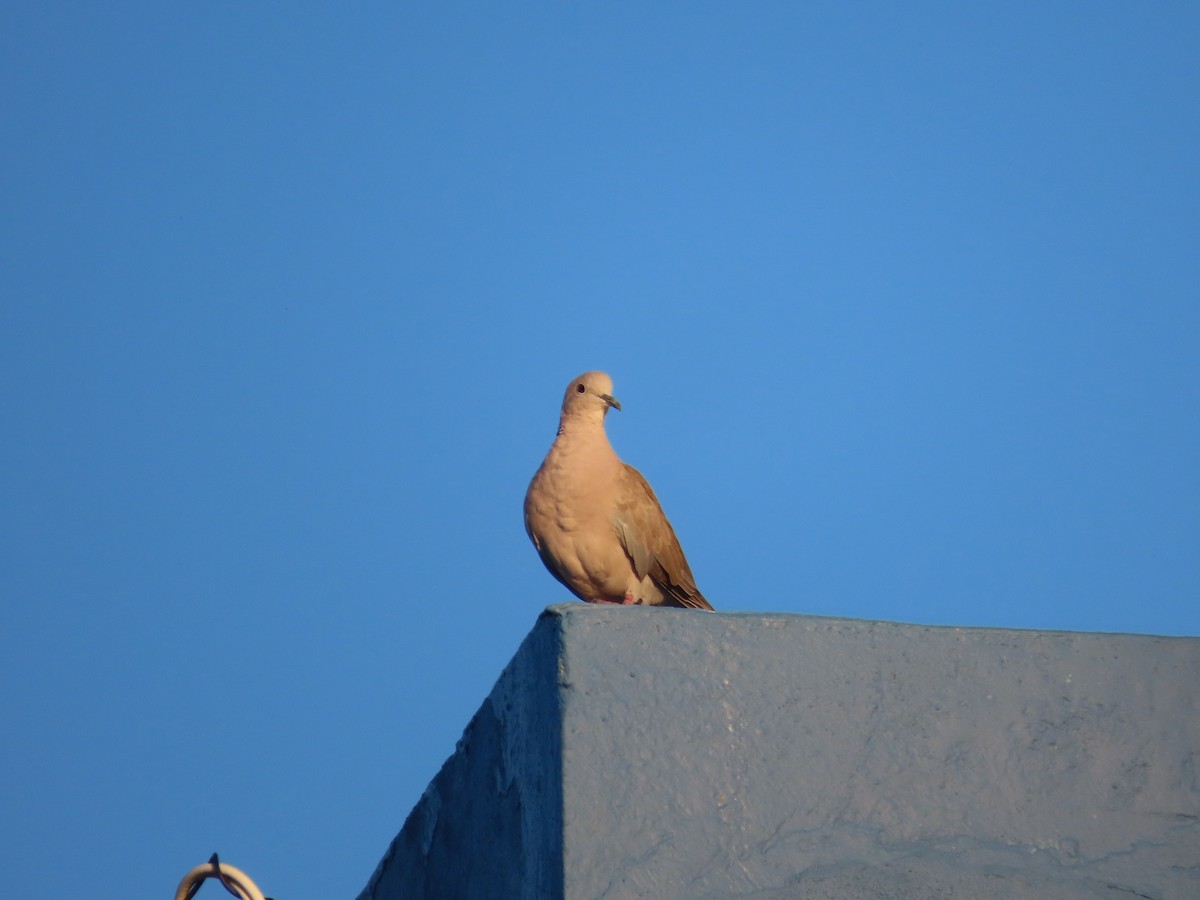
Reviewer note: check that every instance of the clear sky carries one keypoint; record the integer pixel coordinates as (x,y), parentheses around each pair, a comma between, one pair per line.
(902,302)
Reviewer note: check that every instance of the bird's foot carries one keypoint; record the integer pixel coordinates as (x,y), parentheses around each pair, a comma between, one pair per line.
(629,600)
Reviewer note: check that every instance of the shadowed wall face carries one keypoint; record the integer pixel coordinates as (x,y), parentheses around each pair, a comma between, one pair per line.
(726,755)
(490,823)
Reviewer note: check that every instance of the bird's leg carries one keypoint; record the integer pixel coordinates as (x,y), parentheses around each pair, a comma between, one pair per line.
(629,600)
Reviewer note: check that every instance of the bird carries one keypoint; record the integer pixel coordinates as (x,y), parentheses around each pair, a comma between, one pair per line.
(594,520)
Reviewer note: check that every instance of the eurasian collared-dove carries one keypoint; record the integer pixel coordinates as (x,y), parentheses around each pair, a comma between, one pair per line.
(595,521)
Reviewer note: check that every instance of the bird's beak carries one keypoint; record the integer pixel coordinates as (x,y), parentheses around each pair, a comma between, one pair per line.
(611,401)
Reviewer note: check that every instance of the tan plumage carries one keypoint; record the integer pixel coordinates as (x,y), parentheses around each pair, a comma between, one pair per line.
(595,521)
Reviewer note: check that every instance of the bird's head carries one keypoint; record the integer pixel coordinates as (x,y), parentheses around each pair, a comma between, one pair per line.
(589,396)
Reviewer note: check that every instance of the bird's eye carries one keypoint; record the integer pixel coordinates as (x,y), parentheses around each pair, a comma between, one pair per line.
(579,388)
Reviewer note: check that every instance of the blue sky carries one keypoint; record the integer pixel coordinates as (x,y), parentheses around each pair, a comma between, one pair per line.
(902,302)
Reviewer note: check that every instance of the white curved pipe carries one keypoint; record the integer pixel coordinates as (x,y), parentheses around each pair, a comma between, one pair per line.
(233,876)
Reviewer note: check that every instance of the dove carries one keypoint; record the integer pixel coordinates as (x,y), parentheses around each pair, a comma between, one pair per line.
(595,521)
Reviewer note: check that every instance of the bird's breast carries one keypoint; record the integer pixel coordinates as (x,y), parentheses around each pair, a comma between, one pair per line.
(570,520)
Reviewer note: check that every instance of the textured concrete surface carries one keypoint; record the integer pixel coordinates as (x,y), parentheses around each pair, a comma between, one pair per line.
(630,752)
(490,823)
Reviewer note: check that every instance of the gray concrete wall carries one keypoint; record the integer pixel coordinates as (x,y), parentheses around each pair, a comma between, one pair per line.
(631,752)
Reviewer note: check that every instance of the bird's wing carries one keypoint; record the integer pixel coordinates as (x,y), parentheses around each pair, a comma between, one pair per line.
(650,542)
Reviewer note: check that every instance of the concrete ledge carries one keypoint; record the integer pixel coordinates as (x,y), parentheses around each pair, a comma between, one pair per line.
(631,752)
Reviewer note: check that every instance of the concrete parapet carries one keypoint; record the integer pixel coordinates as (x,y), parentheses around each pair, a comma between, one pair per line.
(628,752)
